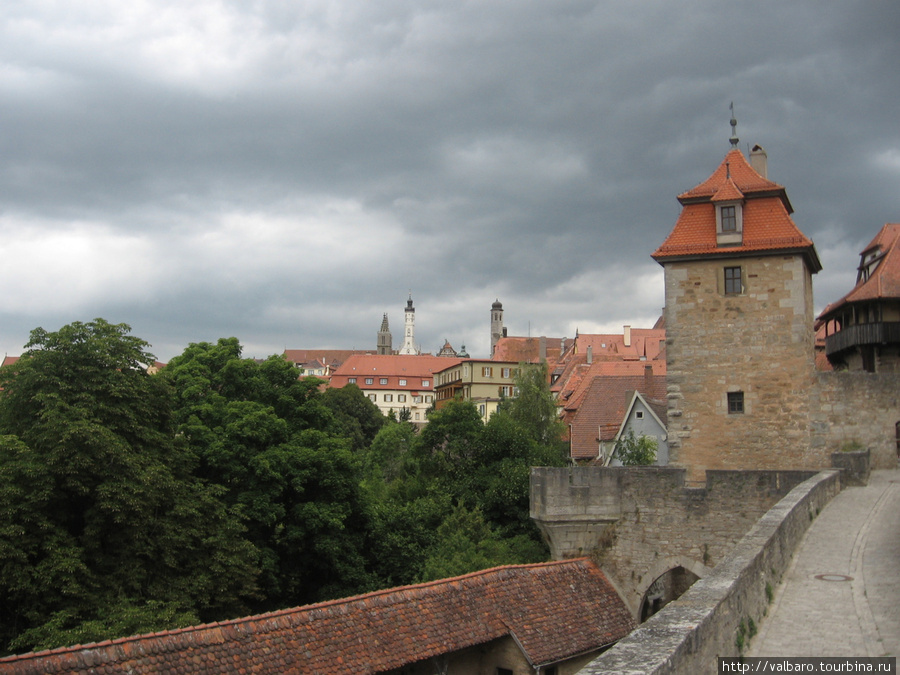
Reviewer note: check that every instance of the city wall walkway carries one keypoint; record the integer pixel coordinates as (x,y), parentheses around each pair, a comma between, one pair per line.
(841,594)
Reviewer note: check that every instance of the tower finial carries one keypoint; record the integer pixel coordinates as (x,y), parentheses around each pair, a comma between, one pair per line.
(734,137)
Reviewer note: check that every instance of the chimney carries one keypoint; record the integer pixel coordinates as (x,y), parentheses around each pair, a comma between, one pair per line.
(627,336)
(590,354)
(543,348)
(759,161)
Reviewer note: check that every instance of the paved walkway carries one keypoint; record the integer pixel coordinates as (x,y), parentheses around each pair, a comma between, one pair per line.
(841,594)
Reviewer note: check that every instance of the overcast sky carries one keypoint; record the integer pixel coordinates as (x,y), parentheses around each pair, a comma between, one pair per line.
(286,171)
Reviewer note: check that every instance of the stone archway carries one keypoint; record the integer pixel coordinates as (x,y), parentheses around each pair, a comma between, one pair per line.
(668,580)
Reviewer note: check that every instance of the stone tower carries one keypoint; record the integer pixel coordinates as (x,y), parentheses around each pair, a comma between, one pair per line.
(409,330)
(497,330)
(739,324)
(385,345)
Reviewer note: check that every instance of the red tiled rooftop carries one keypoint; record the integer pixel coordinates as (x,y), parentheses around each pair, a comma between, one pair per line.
(884,281)
(528,349)
(767,223)
(555,611)
(727,192)
(598,409)
(393,367)
(331,357)
(743,176)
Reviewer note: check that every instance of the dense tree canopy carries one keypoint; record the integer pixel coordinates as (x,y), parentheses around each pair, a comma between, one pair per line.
(101,521)
(283,452)
(132,502)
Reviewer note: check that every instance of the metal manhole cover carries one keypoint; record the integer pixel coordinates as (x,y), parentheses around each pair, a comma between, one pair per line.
(833,577)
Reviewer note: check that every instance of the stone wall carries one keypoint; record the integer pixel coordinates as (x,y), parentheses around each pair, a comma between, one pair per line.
(857,407)
(760,343)
(640,522)
(688,635)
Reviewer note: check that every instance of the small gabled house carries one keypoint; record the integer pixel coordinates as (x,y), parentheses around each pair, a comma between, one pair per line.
(548,618)
(611,399)
(643,417)
(862,329)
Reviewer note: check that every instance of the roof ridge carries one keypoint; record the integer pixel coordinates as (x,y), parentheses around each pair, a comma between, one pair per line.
(214,628)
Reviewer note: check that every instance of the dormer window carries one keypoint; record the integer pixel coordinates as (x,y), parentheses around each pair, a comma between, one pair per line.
(729,219)
(867,265)
(729,224)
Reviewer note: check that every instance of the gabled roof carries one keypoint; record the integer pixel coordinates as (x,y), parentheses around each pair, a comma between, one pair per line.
(879,271)
(656,407)
(390,365)
(644,343)
(767,227)
(581,378)
(554,610)
(597,411)
(727,192)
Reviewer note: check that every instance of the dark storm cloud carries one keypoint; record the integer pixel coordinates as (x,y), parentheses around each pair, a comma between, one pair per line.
(287,172)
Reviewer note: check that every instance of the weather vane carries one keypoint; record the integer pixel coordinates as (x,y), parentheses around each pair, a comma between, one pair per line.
(734,137)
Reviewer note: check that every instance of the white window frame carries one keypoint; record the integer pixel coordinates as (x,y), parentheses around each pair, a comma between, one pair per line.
(730,237)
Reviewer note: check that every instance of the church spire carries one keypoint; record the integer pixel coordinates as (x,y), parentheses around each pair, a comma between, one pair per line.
(385,345)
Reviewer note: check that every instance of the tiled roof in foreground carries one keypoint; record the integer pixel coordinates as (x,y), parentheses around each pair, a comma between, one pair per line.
(554,610)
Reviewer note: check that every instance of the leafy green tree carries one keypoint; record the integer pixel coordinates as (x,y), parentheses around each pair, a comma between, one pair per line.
(634,450)
(283,453)
(501,474)
(465,542)
(101,522)
(534,407)
(451,437)
(357,415)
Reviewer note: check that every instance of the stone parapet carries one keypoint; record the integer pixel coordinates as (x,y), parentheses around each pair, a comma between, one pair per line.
(713,618)
(641,522)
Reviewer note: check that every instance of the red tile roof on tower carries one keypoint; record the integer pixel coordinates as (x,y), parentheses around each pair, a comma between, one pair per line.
(767,225)
(879,271)
(554,610)
(744,177)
